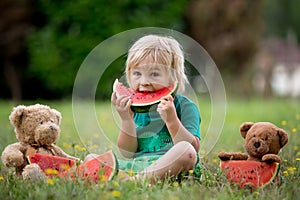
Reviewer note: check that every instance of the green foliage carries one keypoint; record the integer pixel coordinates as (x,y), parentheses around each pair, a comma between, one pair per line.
(282,16)
(73,28)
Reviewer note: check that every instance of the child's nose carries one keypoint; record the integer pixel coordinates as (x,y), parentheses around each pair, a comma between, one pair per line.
(144,80)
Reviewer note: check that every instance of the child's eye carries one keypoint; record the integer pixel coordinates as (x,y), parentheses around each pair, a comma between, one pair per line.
(154,74)
(136,73)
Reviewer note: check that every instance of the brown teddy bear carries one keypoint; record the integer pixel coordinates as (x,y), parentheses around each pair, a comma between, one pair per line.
(37,129)
(263,141)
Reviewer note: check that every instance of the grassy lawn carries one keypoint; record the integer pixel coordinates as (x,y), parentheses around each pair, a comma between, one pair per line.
(283,113)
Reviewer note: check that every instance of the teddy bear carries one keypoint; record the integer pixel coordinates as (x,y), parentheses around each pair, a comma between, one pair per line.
(263,141)
(37,128)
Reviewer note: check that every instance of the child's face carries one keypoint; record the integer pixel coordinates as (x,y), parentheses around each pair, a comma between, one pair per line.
(149,77)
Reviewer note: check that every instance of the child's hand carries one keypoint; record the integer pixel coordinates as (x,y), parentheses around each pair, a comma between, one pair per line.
(122,105)
(166,108)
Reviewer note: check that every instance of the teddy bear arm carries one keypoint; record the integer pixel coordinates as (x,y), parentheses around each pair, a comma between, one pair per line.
(59,152)
(232,156)
(13,155)
(271,158)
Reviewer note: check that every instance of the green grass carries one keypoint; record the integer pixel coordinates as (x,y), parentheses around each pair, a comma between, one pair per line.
(284,113)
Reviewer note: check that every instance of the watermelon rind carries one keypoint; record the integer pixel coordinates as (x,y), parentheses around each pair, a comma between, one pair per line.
(142,107)
(246,172)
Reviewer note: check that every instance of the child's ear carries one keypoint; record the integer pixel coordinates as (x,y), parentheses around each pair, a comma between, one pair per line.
(283,137)
(16,115)
(245,127)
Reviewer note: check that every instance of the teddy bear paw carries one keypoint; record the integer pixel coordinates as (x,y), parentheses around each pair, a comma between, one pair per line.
(232,156)
(13,160)
(269,158)
(33,172)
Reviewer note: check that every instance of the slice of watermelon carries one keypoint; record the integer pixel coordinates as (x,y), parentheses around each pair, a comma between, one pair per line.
(251,173)
(51,165)
(101,168)
(142,101)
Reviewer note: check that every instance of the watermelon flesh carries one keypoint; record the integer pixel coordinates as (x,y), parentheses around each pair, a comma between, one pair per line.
(49,164)
(101,168)
(249,173)
(142,101)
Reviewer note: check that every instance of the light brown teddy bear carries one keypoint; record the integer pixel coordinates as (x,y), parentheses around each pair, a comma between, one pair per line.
(37,129)
(263,141)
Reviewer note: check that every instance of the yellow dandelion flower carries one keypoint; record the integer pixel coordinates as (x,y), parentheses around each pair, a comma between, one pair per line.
(295,148)
(257,193)
(214,161)
(102,178)
(101,185)
(202,152)
(50,171)
(116,193)
(283,122)
(66,145)
(115,183)
(96,135)
(285,161)
(285,173)
(83,149)
(175,184)
(50,181)
(130,173)
(77,147)
(294,130)
(1,178)
(298,154)
(191,171)
(298,159)
(64,166)
(292,169)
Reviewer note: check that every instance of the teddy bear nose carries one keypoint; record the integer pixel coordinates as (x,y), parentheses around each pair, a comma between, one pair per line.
(257,144)
(51,127)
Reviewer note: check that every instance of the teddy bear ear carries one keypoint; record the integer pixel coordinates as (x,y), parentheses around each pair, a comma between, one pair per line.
(283,137)
(16,115)
(245,127)
(58,115)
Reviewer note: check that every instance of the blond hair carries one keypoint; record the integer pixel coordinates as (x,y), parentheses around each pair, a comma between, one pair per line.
(159,50)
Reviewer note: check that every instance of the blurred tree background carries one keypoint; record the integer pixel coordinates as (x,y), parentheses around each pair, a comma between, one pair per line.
(44,42)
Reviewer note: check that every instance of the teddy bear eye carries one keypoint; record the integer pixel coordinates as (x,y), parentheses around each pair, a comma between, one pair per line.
(254,135)
(41,122)
(266,138)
